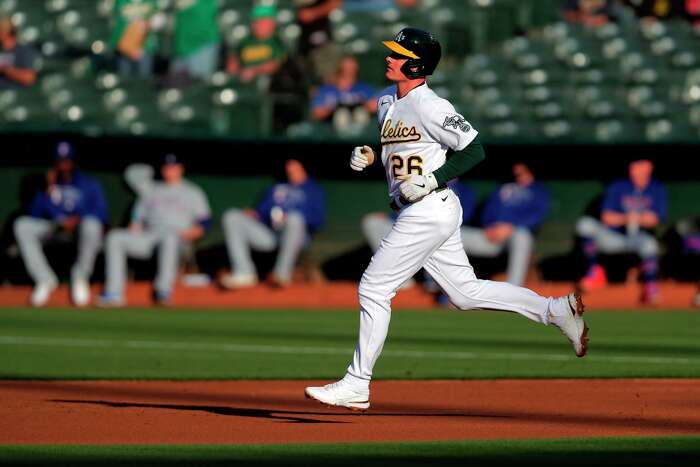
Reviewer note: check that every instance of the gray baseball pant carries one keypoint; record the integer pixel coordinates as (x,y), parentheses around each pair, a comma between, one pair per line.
(124,243)
(31,233)
(519,247)
(611,241)
(242,233)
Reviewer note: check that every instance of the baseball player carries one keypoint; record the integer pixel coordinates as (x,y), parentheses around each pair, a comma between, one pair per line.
(72,203)
(631,210)
(168,216)
(416,129)
(511,215)
(288,215)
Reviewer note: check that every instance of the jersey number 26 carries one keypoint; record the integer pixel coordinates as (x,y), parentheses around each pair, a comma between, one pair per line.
(406,166)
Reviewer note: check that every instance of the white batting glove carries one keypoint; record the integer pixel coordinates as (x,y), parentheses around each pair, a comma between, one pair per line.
(361,157)
(414,187)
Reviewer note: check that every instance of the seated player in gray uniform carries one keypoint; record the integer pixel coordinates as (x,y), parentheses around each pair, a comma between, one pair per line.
(72,204)
(286,218)
(168,216)
(632,208)
(511,215)
(377,225)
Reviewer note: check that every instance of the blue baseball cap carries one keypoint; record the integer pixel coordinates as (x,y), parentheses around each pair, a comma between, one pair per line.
(64,151)
(171,159)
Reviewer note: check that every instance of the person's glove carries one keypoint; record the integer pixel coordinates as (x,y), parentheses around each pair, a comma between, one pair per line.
(414,187)
(361,157)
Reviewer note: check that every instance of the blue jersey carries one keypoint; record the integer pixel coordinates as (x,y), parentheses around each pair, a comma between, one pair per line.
(467,199)
(81,197)
(307,199)
(329,95)
(622,197)
(522,206)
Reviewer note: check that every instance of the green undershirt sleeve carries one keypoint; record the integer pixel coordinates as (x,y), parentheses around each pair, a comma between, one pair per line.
(460,162)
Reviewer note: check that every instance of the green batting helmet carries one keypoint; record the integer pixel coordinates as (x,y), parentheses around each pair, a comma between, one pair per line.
(421,49)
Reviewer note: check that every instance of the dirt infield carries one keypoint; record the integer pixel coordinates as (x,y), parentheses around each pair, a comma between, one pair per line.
(109,412)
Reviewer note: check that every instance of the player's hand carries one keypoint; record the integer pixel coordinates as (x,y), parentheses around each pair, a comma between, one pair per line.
(415,187)
(361,157)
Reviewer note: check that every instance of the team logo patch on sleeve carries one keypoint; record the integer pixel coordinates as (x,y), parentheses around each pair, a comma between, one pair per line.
(457,122)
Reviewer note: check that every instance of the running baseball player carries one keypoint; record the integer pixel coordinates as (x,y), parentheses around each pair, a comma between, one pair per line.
(168,217)
(416,129)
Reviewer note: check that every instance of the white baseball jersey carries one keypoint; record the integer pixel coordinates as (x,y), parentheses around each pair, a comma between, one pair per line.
(416,131)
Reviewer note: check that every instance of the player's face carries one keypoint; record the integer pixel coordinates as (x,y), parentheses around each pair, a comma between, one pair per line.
(296,174)
(172,173)
(522,175)
(263,28)
(640,172)
(64,168)
(394,62)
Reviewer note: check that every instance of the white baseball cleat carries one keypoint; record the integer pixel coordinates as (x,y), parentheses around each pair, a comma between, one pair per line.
(572,324)
(41,292)
(80,292)
(239,281)
(340,394)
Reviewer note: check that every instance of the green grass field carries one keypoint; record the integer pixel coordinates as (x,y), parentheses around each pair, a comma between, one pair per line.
(294,344)
(193,344)
(633,452)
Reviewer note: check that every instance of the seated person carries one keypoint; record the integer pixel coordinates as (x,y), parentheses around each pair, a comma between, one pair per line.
(17,62)
(376,225)
(289,213)
(689,231)
(632,208)
(344,100)
(262,52)
(168,216)
(511,215)
(73,204)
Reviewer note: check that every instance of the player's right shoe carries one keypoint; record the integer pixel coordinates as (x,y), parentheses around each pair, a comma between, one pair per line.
(42,291)
(572,325)
(340,394)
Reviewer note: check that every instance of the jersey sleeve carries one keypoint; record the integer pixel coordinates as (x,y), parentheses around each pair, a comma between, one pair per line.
(612,201)
(200,205)
(660,202)
(446,126)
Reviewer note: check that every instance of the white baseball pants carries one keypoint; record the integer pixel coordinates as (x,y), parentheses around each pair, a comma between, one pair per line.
(427,234)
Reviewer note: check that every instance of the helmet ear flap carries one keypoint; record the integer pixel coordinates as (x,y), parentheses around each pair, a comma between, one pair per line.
(406,69)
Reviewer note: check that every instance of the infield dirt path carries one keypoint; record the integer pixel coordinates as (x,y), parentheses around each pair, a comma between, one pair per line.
(109,412)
